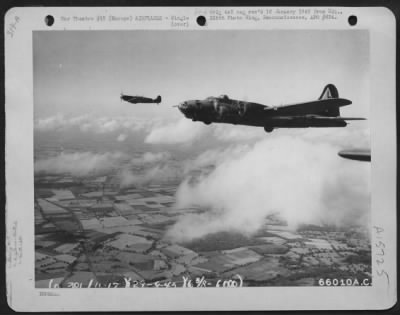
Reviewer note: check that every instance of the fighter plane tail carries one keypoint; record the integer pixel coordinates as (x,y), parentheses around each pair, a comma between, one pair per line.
(330,91)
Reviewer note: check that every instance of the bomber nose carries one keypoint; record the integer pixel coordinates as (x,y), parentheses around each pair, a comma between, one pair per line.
(184,108)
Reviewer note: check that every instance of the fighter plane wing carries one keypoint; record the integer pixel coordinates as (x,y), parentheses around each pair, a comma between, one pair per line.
(313,107)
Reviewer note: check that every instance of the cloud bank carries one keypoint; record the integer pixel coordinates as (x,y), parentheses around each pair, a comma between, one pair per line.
(183,131)
(214,157)
(150,158)
(304,182)
(155,174)
(122,137)
(97,125)
(141,169)
(79,163)
(149,167)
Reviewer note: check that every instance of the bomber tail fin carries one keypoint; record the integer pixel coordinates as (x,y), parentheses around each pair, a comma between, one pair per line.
(158,99)
(330,91)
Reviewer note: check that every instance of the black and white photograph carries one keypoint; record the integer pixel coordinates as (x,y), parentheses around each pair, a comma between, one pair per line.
(185,159)
(223,158)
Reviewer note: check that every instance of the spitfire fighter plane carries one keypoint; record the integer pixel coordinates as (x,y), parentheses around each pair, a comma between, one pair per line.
(140,99)
(323,112)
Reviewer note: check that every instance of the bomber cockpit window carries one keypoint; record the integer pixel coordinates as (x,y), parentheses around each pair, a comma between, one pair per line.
(224,97)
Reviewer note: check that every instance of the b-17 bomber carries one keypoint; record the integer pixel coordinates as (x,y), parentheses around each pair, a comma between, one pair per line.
(323,112)
(140,99)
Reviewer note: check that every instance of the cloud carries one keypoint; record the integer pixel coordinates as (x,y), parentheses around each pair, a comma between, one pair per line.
(182,132)
(79,163)
(149,168)
(155,174)
(150,157)
(215,157)
(141,169)
(185,131)
(50,123)
(356,134)
(98,125)
(122,137)
(305,182)
(229,133)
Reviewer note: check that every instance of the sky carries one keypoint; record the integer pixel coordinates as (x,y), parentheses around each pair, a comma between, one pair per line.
(79,75)
(84,72)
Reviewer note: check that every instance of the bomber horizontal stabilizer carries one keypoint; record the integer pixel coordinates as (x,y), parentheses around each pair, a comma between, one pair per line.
(353,118)
(314,107)
(337,118)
